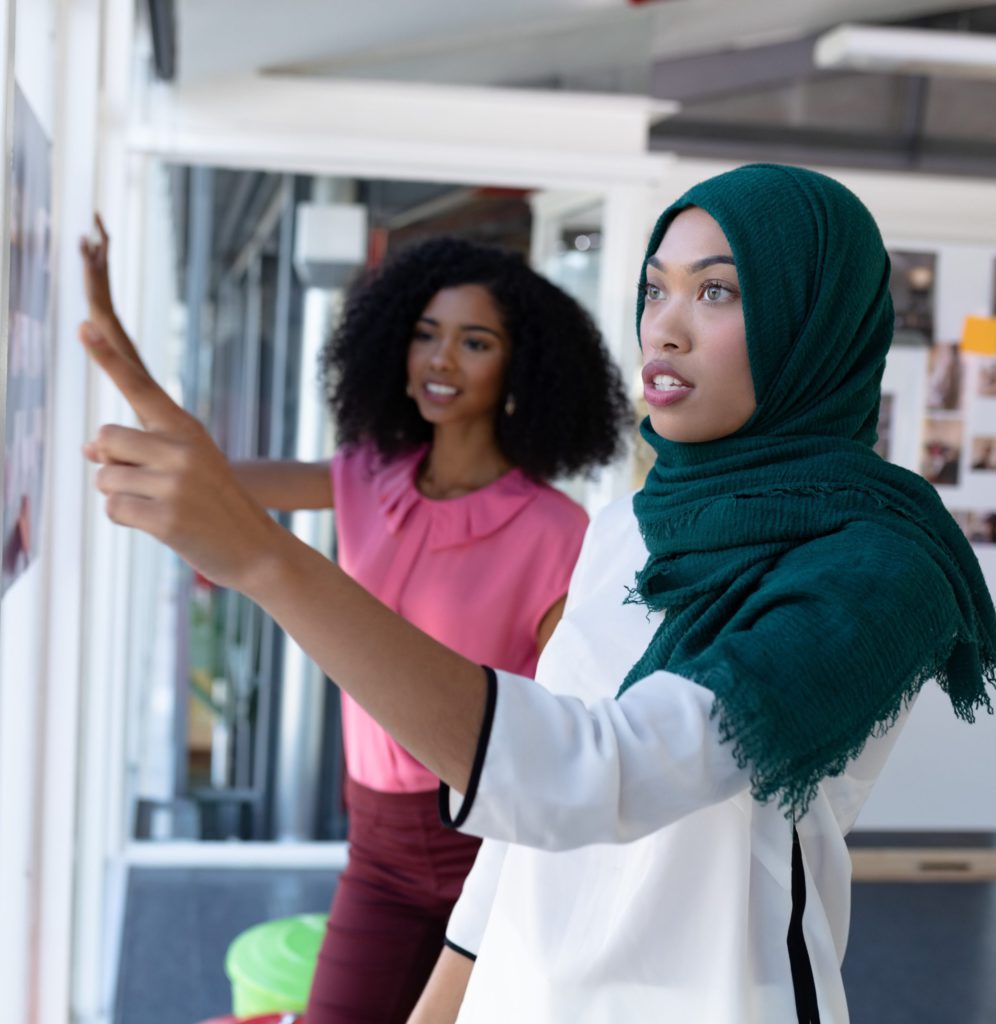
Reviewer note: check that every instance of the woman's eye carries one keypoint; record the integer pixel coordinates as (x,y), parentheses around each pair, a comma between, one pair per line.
(716,292)
(476,344)
(421,336)
(652,291)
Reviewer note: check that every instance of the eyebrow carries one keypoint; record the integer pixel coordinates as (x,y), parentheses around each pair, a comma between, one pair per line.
(693,268)
(463,327)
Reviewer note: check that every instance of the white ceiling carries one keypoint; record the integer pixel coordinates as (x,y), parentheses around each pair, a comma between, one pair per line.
(742,70)
(512,42)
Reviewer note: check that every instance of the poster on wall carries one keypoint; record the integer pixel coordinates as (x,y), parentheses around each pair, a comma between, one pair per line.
(959,435)
(30,189)
(912,286)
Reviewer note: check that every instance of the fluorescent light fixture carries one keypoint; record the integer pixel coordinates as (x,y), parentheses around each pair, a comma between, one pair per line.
(912,51)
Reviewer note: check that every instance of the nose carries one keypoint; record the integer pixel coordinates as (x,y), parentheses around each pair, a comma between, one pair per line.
(664,326)
(442,354)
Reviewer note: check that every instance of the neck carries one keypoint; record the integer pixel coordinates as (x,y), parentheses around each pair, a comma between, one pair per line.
(461,460)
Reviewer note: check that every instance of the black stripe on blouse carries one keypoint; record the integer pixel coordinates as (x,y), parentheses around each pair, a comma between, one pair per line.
(475,772)
(806,1005)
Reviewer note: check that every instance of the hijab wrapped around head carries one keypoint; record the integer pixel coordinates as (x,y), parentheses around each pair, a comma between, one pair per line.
(811,585)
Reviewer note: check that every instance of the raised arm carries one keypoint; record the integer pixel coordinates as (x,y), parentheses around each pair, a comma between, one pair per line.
(610,771)
(172,482)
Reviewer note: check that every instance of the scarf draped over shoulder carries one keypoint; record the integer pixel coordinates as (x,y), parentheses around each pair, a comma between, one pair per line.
(812,586)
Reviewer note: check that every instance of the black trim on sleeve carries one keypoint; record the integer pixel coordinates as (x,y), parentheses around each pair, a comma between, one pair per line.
(478,766)
(459,949)
(806,1006)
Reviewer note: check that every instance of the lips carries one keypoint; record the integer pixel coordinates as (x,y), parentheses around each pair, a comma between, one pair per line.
(663,385)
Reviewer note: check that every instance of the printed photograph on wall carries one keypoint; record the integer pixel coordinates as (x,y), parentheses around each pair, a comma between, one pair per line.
(944,378)
(912,287)
(30,218)
(978,526)
(983,454)
(941,456)
(987,379)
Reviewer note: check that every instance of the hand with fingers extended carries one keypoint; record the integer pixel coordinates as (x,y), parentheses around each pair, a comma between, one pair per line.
(170,480)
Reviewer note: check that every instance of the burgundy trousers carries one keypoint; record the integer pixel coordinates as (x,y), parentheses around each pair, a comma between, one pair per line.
(389,912)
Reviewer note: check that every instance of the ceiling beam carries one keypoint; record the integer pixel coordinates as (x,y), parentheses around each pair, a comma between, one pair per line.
(882,150)
(734,71)
(504,137)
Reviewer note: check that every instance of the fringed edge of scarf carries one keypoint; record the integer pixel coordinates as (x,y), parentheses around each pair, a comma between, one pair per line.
(795,786)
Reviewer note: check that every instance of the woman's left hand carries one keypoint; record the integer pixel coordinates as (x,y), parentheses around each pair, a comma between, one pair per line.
(171,481)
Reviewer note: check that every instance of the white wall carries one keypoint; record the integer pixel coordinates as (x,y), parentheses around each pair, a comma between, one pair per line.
(23,630)
(43,617)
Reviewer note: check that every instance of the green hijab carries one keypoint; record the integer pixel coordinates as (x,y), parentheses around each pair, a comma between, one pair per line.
(812,586)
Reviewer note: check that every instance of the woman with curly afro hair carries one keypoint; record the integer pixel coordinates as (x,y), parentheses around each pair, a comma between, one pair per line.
(460,382)
(561,407)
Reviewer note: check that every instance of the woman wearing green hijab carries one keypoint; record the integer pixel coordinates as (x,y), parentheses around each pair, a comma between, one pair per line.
(664,821)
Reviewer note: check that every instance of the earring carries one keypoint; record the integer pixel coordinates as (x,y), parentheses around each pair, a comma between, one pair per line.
(409,390)
(510,405)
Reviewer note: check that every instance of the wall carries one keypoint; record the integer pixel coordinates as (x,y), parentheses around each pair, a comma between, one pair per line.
(57,46)
(23,626)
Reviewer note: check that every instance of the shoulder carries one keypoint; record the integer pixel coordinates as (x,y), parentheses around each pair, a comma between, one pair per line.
(616,525)
(365,460)
(612,552)
(353,456)
(552,505)
(865,554)
(876,584)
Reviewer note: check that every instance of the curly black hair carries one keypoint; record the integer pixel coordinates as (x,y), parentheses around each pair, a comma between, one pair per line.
(571,409)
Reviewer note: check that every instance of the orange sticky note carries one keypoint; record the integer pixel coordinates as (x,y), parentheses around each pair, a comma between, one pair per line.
(979,335)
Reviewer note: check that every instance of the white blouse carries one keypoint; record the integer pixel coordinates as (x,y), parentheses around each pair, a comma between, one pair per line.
(627,874)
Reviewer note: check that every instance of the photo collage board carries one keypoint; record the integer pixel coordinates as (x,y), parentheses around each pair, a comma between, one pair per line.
(30,202)
(955,400)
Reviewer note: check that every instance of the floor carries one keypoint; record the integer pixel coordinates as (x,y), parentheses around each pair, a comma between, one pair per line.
(919,953)
(178,926)
(922,953)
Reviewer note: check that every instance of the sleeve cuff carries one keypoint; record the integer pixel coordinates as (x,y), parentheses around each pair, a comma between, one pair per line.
(459,949)
(475,772)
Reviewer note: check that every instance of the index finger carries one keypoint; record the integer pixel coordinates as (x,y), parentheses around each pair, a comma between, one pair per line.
(153,407)
(101,230)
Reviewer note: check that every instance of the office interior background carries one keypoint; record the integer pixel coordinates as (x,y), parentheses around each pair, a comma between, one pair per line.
(170,764)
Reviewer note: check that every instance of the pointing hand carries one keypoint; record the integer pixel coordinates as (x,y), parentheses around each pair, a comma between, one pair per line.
(170,480)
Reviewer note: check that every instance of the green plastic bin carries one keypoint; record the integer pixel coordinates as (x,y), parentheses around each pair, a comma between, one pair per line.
(271,965)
